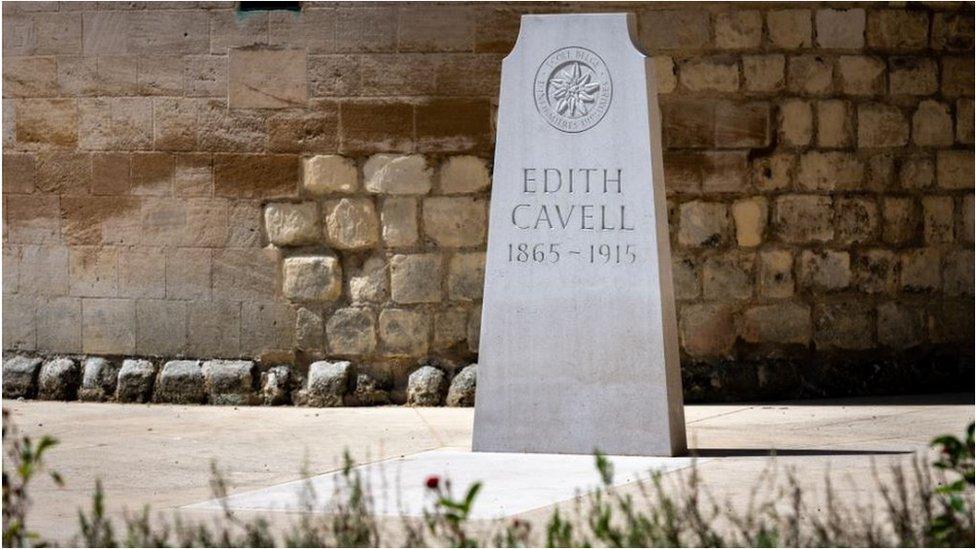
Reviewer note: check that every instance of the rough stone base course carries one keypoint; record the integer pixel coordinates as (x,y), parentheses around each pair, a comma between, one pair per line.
(228,382)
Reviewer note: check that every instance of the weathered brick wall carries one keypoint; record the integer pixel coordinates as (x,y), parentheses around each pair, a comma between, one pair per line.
(186,179)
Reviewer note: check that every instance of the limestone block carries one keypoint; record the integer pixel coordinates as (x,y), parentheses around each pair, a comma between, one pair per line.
(776,273)
(796,123)
(370,283)
(834,124)
(707,329)
(312,278)
(160,327)
(328,382)
(456,221)
(267,328)
(47,122)
(898,29)
(916,173)
(665,74)
(809,74)
(229,382)
(902,220)
(450,328)
(840,29)
(59,380)
(932,125)
(136,380)
(351,223)
(704,74)
(856,220)
(764,73)
(404,332)
(59,324)
(98,379)
(921,270)
(110,326)
(426,386)
(803,218)
(964,121)
(913,76)
(881,125)
(967,218)
(750,221)
(292,224)
(900,326)
(728,276)
(399,217)
(843,326)
(267,78)
(181,382)
(676,29)
(775,172)
(740,29)
(464,174)
(937,217)
(20,376)
(687,283)
(416,278)
(782,322)
(703,224)
(309,329)
(329,174)
(957,275)
(957,76)
(369,392)
(255,175)
(395,174)
(474,329)
(875,271)
(860,74)
(466,276)
(214,328)
(955,169)
(825,270)
(351,331)
(462,389)
(790,29)
(276,386)
(827,171)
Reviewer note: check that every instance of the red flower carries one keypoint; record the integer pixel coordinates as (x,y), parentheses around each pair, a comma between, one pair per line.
(433,482)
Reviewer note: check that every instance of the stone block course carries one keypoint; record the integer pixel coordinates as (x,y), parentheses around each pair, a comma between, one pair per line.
(136,381)
(351,223)
(312,278)
(181,382)
(20,376)
(229,382)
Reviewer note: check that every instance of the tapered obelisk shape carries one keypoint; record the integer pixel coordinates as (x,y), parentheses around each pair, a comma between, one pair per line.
(578,344)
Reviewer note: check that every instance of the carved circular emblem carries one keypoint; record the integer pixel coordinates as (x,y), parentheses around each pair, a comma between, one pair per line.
(573,89)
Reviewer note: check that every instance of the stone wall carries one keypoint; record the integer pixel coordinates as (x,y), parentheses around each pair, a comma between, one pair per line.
(185,179)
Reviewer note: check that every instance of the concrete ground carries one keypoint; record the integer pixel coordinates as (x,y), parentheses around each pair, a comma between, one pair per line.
(161,455)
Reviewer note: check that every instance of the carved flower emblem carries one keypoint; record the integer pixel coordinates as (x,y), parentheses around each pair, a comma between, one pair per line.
(573,91)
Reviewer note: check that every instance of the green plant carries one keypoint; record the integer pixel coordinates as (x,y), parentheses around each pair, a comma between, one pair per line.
(925,504)
(25,460)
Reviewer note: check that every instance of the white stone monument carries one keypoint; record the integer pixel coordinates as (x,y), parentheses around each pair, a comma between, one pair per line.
(579,346)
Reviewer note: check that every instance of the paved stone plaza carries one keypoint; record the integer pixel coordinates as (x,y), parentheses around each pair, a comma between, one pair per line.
(160,455)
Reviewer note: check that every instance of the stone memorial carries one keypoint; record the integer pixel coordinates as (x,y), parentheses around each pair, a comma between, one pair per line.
(579,346)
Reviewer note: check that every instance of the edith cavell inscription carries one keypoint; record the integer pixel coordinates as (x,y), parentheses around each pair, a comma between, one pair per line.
(578,337)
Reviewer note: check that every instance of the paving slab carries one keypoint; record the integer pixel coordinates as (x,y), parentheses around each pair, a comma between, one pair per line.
(511,483)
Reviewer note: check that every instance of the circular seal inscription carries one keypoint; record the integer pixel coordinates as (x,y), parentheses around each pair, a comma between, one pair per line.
(573,89)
